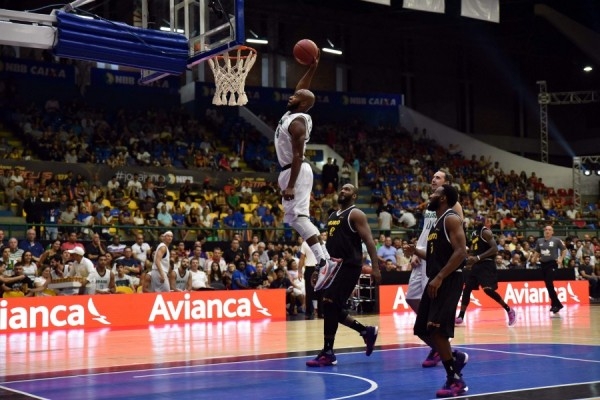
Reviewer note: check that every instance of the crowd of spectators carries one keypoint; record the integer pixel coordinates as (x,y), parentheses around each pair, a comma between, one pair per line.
(78,133)
(71,267)
(395,163)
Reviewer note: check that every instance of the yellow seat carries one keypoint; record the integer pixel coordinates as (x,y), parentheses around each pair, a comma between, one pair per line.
(247,217)
(245,207)
(106,203)
(189,234)
(48,292)
(171,195)
(140,289)
(124,290)
(13,293)
(133,205)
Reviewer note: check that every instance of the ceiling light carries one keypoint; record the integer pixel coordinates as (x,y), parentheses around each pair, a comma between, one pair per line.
(588,68)
(167,29)
(256,39)
(331,49)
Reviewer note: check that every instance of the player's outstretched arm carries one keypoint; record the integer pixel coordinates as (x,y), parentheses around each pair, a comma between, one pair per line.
(304,82)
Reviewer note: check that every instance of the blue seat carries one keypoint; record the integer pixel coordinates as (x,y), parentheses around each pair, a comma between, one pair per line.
(523,204)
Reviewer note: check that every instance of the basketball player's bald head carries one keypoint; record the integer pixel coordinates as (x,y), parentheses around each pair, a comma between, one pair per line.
(301,101)
(350,187)
(347,196)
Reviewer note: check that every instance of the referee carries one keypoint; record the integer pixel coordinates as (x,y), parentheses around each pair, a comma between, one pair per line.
(550,252)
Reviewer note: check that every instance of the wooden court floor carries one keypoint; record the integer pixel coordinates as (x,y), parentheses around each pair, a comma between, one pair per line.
(537,344)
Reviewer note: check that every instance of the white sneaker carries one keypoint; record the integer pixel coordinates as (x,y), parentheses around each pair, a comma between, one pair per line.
(327,273)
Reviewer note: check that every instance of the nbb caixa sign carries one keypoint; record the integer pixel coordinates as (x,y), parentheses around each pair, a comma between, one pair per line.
(139,310)
(392,298)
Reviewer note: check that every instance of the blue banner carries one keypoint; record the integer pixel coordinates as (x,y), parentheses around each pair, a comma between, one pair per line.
(372,108)
(28,69)
(109,77)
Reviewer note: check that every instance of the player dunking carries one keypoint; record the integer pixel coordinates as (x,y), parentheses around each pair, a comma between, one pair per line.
(296,177)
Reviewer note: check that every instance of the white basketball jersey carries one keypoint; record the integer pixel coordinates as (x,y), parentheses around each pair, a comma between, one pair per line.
(429,219)
(181,281)
(283,139)
(165,262)
(102,281)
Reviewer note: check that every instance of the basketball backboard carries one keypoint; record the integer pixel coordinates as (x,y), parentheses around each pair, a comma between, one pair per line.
(211,26)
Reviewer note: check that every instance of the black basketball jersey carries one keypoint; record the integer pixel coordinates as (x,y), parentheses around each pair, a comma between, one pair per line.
(439,248)
(478,244)
(343,241)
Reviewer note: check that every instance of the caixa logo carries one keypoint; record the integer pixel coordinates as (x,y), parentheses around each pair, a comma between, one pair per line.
(48,317)
(197,309)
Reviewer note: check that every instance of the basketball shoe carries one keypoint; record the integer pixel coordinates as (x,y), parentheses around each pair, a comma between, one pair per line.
(370,337)
(433,359)
(512,317)
(452,388)
(327,272)
(323,359)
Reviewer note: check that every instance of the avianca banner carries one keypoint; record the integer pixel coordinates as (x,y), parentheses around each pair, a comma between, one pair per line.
(139,310)
(392,298)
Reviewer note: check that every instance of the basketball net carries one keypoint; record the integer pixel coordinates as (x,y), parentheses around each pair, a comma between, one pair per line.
(230,70)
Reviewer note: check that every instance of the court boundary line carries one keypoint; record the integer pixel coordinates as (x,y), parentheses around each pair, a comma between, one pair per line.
(292,355)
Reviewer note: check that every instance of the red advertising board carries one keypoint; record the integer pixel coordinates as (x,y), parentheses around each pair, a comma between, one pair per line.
(139,310)
(392,297)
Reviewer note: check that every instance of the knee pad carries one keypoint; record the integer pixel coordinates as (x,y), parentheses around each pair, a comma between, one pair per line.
(304,227)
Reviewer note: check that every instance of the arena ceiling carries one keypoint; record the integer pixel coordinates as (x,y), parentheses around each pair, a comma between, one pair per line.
(521,32)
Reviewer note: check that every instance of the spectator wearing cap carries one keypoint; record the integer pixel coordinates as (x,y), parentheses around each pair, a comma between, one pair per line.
(80,266)
(407,219)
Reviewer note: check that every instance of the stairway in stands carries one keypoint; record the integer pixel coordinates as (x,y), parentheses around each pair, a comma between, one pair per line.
(364,198)
(12,225)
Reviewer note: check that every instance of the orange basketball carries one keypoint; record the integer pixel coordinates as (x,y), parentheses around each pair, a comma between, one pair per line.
(306,51)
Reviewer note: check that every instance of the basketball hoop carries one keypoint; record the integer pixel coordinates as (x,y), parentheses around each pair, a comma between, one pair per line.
(230,70)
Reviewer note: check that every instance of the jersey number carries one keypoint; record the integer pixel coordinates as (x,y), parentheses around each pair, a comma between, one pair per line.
(331,230)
